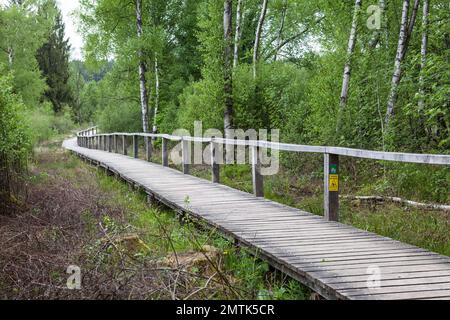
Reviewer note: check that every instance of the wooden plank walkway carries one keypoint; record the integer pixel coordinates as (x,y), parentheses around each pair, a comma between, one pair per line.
(329,257)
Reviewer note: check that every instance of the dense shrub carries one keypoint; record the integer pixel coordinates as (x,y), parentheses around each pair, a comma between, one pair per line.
(45,124)
(14,140)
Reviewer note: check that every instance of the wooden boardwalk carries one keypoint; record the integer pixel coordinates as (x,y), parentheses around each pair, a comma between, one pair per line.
(333,259)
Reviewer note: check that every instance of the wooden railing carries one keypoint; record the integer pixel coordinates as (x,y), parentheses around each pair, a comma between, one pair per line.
(90,138)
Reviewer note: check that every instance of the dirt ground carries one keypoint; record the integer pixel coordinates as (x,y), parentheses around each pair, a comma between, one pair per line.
(67,222)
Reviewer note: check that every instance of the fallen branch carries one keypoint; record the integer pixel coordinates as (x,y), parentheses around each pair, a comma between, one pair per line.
(429,206)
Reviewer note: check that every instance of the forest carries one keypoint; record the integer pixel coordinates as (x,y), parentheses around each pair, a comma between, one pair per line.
(367,74)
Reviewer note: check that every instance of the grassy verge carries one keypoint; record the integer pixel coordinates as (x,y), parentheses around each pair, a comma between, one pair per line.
(126,249)
(429,229)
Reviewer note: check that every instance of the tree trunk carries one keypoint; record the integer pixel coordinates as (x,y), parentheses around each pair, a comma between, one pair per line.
(155,128)
(280,31)
(423,54)
(403,40)
(228,64)
(411,23)
(398,63)
(350,50)
(238,34)
(262,17)
(142,80)
(10,57)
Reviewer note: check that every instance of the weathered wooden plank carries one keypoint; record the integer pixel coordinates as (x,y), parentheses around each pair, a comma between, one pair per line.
(344,287)
(408,294)
(330,257)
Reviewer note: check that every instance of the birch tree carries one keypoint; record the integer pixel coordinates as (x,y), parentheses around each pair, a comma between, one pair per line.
(228,72)
(259,27)
(155,128)
(238,32)
(350,51)
(423,53)
(142,69)
(406,29)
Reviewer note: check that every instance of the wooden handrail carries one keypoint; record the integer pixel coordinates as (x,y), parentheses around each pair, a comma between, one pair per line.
(437,159)
(89,138)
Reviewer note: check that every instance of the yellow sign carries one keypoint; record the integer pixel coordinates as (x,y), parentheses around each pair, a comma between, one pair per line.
(334,183)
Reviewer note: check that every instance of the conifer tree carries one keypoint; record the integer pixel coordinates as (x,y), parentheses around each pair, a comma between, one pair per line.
(53,58)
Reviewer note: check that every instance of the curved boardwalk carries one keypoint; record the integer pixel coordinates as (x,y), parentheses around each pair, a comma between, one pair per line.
(333,259)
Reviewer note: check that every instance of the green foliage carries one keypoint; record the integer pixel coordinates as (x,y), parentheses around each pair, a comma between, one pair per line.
(44,124)
(14,141)
(14,138)
(124,118)
(53,59)
(22,31)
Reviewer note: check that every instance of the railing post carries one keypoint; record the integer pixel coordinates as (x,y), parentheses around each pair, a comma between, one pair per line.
(185,155)
(165,154)
(124,145)
(258,182)
(331,187)
(135,147)
(148,148)
(116,147)
(215,169)
(110,143)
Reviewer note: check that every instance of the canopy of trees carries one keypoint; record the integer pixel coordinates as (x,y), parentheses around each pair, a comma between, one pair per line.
(371,74)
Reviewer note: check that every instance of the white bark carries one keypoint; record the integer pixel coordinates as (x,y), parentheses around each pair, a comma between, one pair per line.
(238,32)
(155,129)
(10,57)
(423,52)
(350,51)
(398,62)
(430,206)
(406,30)
(411,23)
(142,79)
(228,64)
(262,17)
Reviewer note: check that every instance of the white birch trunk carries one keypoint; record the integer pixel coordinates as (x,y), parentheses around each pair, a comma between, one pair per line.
(228,65)
(142,79)
(10,57)
(398,63)
(238,32)
(262,17)
(423,53)
(155,113)
(411,23)
(350,51)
